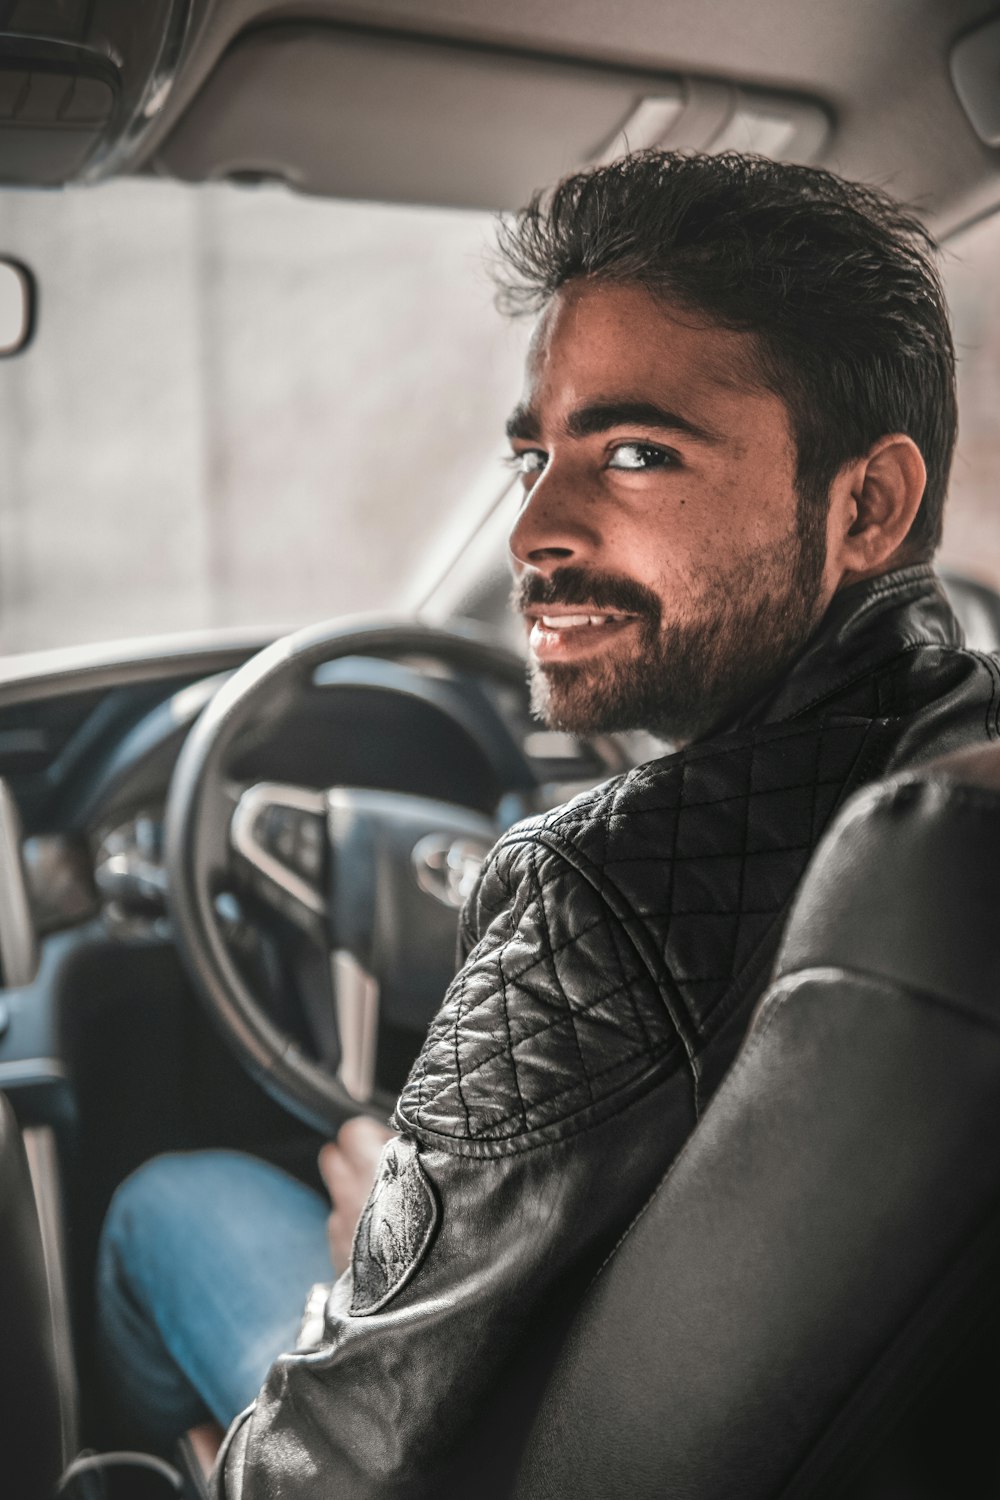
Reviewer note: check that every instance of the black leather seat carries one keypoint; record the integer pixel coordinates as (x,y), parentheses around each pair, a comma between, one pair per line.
(830,1236)
(30,1428)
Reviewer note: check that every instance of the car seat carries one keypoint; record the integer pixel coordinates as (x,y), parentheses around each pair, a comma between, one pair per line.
(824,1255)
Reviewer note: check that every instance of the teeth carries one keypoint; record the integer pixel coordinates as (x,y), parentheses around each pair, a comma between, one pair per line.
(564,622)
(570,622)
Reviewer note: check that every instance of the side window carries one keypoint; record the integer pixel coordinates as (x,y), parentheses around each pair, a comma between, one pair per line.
(972,519)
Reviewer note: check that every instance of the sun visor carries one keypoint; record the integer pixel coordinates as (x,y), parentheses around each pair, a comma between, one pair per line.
(356,114)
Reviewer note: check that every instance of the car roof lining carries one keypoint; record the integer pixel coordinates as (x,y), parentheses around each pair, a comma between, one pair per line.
(882,72)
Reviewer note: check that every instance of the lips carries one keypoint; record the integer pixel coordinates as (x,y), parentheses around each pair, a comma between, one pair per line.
(576,613)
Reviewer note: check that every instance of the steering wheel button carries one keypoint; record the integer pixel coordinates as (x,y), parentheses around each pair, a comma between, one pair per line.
(265,829)
(310,847)
(284,825)
(311,832)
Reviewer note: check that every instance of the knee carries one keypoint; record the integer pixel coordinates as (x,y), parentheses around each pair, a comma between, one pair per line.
(143,1192)
(148,1217)
(173,1196)
(134,1217)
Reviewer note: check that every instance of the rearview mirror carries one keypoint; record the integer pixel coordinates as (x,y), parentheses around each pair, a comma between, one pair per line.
(17,307)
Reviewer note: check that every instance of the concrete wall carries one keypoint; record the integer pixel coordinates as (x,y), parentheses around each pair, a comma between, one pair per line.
(240,407)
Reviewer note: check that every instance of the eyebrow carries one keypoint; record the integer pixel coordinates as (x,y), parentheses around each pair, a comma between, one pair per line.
(602,416)
(522,423)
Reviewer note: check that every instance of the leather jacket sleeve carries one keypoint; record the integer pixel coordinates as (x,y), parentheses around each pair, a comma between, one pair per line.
(552,1091)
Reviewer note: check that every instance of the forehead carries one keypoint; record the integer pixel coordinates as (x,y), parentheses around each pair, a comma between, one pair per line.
(593,338)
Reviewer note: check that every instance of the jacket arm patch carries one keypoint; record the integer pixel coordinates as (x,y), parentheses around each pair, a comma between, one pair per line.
(395,1231)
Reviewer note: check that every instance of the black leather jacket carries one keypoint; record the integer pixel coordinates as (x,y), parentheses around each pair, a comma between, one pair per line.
(613,951)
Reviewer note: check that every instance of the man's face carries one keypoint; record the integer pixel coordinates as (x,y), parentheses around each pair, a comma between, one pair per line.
(659,560)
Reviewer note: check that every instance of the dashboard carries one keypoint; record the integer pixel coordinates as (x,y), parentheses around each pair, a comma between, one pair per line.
(86,756)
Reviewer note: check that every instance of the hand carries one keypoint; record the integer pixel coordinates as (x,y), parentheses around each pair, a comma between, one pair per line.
(348,1166)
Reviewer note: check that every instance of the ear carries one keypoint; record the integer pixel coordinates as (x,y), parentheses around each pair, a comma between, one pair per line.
(873,505)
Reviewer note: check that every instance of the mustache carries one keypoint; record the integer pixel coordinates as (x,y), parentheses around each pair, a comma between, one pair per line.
(609,592)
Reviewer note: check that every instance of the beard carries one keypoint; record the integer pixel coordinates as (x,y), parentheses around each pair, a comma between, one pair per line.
(681,679)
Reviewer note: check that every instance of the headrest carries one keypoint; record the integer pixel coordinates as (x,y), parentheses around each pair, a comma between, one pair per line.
(906,886)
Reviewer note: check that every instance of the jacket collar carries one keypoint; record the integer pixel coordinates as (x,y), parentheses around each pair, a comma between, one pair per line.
(866,625)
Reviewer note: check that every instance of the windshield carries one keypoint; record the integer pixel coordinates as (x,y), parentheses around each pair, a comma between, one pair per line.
(247,408)
(240,408)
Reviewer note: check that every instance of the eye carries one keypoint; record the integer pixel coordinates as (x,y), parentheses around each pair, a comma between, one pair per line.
(530,461)
(632,456)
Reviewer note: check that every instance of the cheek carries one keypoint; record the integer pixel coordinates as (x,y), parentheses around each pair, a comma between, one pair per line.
(696,526)
(718,553)
(746,511)
(752,489)
(676,539)
(657,553)
(675,560)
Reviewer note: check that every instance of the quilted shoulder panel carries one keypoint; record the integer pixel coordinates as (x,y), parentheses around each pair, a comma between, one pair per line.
(603,937)
(705,848)
(553,1017)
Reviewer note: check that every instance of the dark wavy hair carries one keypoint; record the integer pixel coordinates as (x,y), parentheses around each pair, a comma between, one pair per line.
(836,282)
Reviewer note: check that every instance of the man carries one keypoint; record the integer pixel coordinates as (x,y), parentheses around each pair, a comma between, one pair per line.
(734,443)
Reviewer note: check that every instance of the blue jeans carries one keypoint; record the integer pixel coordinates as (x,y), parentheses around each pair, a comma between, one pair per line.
(205,1263)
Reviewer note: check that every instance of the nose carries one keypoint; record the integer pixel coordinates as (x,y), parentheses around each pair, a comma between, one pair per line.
(552,528)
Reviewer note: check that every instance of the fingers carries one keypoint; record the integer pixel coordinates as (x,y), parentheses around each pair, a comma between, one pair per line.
(363,1138)
(325,1161)
(348,1167)
(339,1172)
(356,1150)
(340,1235)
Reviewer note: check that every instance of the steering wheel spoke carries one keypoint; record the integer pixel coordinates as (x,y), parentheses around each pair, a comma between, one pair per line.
(278,834)
(356,1002)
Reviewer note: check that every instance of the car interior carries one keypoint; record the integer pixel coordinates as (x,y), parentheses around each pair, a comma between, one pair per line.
(233,856)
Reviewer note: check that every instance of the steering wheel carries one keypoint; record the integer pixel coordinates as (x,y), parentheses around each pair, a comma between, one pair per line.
(374,878)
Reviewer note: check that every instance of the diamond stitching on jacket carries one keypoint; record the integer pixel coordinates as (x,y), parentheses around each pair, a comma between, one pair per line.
(561,1003)
(524,1077)
(547,934)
